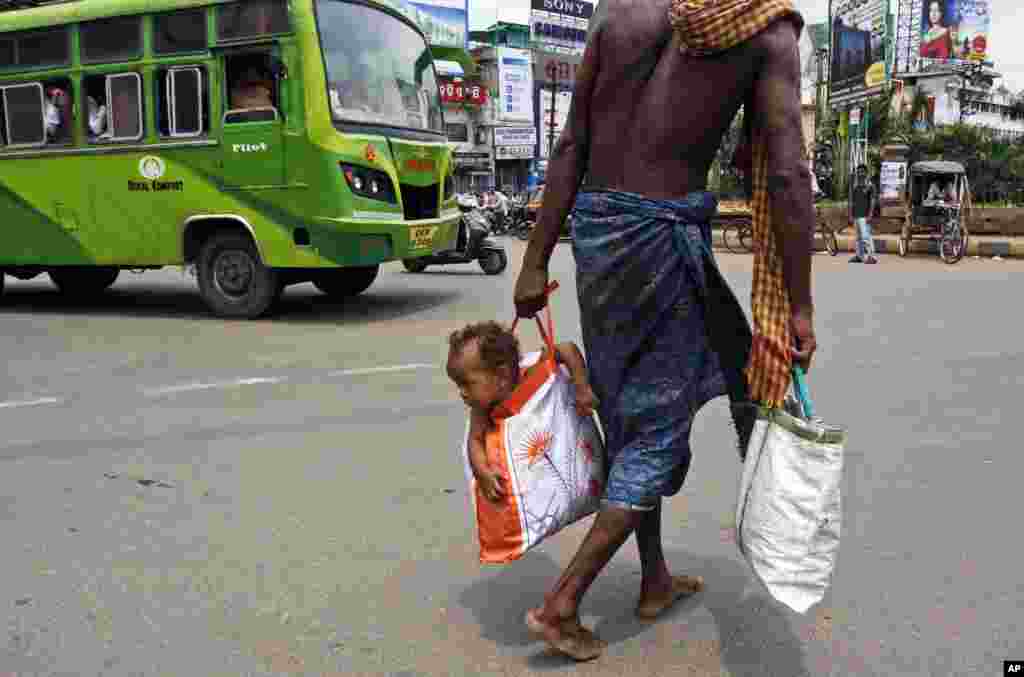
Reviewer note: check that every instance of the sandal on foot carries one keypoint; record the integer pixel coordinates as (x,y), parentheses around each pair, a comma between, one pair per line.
(682,587)
(574,640)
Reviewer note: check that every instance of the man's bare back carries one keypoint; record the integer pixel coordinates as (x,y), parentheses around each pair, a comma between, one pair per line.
(648,119)
(656,115)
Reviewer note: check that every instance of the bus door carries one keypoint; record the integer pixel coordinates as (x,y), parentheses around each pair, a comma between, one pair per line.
(254,153)
(253,148)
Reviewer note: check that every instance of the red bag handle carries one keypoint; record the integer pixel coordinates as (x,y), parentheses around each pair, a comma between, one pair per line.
(547,334)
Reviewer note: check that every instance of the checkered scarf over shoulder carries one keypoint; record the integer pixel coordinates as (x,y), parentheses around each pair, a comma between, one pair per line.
(704,28)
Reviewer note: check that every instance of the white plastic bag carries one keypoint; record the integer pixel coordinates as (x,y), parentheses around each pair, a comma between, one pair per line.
(551,458)
(788,514)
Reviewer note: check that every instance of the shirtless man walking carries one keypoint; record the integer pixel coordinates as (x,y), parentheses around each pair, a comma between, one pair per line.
(663,332)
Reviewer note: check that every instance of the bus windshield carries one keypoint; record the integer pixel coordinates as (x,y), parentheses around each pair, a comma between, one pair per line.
(379,69)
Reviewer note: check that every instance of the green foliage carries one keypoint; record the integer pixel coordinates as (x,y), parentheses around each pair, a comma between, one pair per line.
(995,166)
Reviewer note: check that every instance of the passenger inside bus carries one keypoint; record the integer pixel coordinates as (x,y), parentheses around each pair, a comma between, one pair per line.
(55,115)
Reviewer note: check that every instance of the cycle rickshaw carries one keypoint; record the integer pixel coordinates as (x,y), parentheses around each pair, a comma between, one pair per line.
(938,201)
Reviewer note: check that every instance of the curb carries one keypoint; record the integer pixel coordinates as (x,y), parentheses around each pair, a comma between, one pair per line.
(889,244)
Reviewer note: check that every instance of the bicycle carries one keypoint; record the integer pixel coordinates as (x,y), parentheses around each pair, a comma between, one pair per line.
(739,237)
(828,234)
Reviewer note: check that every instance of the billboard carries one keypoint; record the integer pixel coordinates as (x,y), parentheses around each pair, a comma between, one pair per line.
(560,26)
(444,22)
(859,39)
(515,85)
(954,30)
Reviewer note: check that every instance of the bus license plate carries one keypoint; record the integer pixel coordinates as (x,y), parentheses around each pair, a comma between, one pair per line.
(422,237)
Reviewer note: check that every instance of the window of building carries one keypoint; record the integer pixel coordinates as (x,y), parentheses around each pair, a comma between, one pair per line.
(457,132)
(180,32)
(255,18)
(36,49)
(183,93)
(113,107)
(118,39)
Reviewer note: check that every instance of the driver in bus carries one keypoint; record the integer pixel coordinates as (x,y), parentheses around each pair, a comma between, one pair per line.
(253,89)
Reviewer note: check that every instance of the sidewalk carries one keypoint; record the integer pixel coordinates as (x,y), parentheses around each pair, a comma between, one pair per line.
(977,245)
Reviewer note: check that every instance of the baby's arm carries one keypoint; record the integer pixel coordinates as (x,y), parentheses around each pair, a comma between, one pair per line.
(570,355)
(487,478)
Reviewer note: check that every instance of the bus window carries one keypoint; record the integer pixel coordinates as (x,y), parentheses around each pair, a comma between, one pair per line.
(255,18)
(183,114)
(180,32)
(114,107)
(379,71)
(252,89)
(37,49)
(23,114)
(110,40)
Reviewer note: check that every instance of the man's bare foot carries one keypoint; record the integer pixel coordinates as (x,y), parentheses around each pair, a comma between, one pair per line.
(653,605)
(567,636)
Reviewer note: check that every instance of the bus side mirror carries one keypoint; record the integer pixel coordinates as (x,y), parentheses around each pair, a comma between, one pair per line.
(278,69)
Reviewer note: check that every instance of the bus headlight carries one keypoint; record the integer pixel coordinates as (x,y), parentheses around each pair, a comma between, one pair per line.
(369,183)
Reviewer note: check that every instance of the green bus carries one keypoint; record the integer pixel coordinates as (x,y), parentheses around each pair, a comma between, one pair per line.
(264,142)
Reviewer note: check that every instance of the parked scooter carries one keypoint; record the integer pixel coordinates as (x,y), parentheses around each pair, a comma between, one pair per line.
(472,245)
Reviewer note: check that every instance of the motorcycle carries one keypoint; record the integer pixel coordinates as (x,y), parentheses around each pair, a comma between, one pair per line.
(472,245)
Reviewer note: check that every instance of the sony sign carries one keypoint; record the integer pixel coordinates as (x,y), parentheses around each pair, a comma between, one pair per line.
(574,8)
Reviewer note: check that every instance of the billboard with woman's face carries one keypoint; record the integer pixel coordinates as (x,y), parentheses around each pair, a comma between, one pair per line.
(954,30)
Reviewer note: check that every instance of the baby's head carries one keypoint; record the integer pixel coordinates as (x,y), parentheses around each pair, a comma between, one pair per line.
(483,361)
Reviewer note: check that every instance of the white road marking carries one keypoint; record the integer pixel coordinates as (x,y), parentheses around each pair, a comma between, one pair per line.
(216,385)
(381,370)
(30,403)
(164,391)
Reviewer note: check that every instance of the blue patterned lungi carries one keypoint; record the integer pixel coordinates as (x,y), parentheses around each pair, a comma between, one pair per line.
(646,280)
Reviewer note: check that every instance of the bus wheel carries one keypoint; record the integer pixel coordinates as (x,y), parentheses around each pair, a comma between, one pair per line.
(346,282)
(84,280)
(232,280)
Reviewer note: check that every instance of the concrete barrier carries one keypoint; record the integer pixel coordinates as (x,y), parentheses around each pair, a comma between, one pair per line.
(889,244)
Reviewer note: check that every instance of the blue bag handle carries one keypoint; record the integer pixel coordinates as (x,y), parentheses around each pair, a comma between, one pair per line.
(802,394)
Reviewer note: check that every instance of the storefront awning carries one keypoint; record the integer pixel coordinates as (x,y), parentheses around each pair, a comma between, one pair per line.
(449,69)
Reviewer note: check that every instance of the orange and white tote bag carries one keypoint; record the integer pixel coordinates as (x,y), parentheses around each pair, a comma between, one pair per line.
(551,458)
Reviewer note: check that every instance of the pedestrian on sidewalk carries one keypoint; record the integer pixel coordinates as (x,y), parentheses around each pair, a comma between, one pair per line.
(663,332)
(862,207)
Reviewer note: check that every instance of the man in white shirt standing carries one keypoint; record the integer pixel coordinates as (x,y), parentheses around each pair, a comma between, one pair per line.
(501,208)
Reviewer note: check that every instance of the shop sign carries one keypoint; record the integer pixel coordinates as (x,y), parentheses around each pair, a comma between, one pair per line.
(462,92)
(555,68)
(513,152)
(515,136)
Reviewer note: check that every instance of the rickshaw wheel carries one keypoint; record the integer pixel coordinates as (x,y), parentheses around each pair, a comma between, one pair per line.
(953,245)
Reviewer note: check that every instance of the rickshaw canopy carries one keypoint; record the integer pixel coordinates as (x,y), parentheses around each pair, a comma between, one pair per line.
(937,167)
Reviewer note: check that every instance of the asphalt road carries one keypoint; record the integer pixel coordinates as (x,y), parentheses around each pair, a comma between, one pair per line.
(181,495)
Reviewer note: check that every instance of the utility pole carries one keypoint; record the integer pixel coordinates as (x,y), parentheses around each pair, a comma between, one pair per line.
(551,122)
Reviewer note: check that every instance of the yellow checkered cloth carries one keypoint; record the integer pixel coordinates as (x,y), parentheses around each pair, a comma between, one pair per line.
(704,28)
